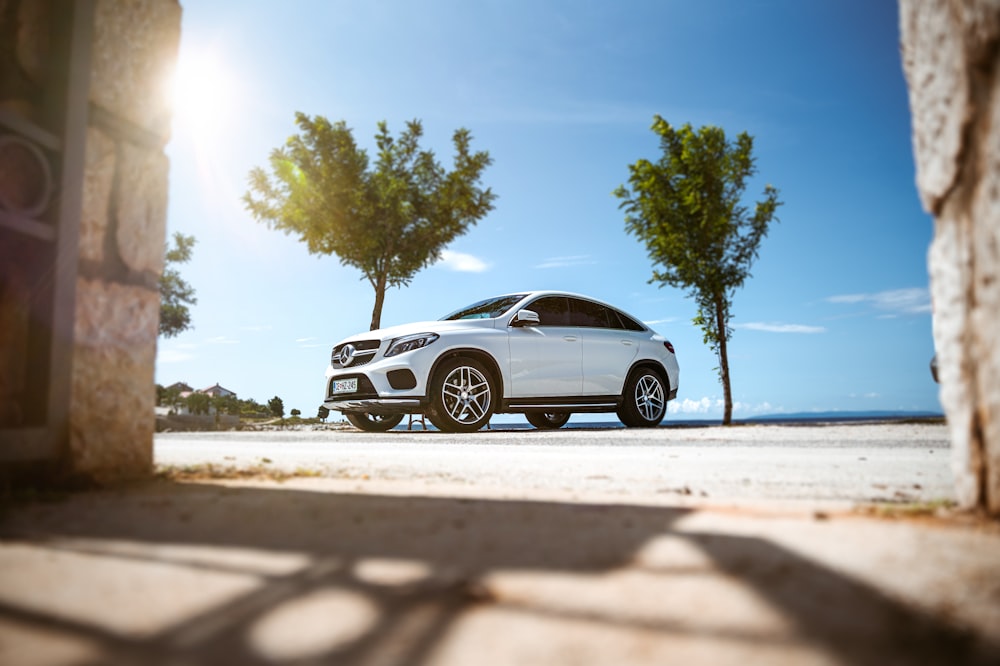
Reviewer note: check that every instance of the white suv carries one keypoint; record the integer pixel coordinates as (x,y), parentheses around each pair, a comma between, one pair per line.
(545,354)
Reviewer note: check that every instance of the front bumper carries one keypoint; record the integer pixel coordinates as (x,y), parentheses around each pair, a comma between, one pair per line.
(380,406)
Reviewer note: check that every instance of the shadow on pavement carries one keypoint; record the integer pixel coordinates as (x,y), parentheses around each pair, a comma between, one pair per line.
(210,574)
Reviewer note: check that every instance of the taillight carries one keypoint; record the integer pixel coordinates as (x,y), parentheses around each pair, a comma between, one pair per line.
(670,347)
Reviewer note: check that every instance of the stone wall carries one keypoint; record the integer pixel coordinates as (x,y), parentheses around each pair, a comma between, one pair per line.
(951,57)
(122,224)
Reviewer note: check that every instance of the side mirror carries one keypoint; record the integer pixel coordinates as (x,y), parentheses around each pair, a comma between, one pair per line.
(525,318)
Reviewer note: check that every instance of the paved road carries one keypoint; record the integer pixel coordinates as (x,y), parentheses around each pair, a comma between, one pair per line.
(516,547)
(819,464)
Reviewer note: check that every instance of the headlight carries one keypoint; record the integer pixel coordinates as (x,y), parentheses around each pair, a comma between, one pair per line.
(409,343)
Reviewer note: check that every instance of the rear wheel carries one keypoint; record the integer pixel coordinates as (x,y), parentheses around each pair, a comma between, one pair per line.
(547,420)
(374,422)
(462,396)
(644,402)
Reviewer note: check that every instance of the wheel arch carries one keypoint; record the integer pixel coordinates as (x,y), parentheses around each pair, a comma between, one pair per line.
(648,363)
(480,355)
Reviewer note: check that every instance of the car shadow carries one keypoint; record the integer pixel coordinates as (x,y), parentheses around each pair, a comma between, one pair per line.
(402,572)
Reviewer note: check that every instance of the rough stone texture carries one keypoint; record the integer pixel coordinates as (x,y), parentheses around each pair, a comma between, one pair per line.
(142,208)
(951,57)
(99,173)
(135,48)
(111,418)
(123,222)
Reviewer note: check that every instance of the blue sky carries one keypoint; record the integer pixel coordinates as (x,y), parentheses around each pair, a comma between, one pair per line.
(836,315)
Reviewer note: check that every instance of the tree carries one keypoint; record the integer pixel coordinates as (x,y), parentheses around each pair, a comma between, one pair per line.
(226,404)
(170,397)
(198,403)
(175,293)
(276,407)
(322,413)
(389,221)
(296,412)
(687,209)
(251,408)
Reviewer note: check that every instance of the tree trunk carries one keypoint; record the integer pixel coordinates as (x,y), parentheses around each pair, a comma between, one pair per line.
(379,284)
(951,51)
(727,393)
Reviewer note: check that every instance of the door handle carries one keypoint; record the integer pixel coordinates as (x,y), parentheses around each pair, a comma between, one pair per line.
(570,338)
(627,343)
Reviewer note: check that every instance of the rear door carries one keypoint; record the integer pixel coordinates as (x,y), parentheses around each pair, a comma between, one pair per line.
(608,349)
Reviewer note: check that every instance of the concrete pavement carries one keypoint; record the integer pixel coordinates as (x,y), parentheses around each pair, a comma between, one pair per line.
(321,570)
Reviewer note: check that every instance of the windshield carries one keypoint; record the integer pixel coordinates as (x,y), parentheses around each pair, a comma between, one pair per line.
(488,309)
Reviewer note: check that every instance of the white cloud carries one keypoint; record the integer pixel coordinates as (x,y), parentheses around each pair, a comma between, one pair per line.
(222,340)
(565,262)
(654,322)
(301,340)
(715,406)
(461,262)
(915,300)
(689,406)
(775,327)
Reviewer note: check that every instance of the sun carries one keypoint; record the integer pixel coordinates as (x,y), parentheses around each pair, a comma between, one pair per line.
(203,92)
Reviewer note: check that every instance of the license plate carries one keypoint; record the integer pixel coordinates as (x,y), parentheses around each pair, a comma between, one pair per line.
(345,385)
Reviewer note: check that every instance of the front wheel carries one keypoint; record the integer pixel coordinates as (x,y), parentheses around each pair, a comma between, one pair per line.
(644,402)
(547,421)
(462,396)
(373,422)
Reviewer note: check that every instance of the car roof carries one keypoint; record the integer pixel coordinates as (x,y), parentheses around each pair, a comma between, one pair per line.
(553,292)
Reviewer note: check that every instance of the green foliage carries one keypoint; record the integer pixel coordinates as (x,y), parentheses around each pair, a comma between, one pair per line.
(296,412)
(226,404)
(198,403)
(175,293)
(168,397)
(251,408)
(276,406)
(687,209)
(388,220)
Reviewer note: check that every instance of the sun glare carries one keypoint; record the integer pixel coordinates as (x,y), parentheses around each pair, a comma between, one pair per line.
(202,91)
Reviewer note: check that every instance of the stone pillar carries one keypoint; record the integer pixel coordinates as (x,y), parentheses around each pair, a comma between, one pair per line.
(122,233)
(951,58)
(121,225)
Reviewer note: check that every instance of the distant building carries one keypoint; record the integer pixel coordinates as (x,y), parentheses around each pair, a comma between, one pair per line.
(218,391)
(184,390)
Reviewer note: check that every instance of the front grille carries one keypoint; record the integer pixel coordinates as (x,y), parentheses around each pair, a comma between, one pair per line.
(363,352)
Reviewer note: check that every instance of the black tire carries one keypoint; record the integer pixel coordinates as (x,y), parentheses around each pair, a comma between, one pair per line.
(547,420)
(373,422)
(463,396)
(644,401)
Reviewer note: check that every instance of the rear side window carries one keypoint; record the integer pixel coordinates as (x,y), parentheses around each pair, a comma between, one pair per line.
(588,314)
(552,310)
(630,324)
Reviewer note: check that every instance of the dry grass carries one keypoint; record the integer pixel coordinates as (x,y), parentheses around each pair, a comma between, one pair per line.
(210,472)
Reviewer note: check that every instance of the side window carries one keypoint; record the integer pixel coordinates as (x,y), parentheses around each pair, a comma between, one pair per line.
(630,324)
(552,310)
(591,315)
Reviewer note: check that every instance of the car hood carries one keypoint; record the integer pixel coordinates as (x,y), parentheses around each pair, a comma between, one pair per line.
(421,327)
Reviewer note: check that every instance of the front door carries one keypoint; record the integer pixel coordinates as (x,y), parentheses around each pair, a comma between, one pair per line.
(546,360)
